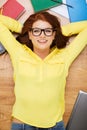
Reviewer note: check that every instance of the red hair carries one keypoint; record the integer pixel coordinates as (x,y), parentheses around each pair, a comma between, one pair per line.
(59,41)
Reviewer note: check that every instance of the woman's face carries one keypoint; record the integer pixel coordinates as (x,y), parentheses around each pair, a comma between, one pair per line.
(41,39)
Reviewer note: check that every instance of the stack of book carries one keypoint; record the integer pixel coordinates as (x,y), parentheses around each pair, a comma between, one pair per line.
(12,8)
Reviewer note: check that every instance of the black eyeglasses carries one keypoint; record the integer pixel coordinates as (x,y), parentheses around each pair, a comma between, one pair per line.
(47,31)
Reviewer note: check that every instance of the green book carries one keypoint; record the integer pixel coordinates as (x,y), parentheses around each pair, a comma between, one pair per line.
(40,5)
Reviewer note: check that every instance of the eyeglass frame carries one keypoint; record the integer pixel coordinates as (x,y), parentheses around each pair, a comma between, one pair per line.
(43,30)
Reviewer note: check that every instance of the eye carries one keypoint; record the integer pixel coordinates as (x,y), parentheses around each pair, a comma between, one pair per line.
(48,30)
(36,30)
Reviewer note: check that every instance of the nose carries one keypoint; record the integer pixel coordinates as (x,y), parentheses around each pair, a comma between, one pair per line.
(42,33)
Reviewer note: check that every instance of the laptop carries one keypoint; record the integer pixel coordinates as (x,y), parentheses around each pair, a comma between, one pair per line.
(78,117)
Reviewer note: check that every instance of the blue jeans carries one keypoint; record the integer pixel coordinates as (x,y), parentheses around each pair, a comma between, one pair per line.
(17,126)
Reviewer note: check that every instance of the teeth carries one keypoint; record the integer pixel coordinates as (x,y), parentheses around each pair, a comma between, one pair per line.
(42,41)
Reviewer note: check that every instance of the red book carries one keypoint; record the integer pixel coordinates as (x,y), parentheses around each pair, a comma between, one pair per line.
(13,9)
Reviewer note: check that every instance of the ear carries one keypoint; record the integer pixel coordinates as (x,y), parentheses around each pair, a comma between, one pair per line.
(54,34)
(29,35)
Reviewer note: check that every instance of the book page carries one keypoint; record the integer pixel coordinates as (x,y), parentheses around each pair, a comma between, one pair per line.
(2,2)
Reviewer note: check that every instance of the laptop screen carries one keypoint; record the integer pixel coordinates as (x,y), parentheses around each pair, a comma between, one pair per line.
(78,117)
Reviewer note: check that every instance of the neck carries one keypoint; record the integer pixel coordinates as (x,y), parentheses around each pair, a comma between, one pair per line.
(42,53)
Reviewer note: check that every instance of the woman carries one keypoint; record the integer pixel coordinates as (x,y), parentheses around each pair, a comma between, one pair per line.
(41,65)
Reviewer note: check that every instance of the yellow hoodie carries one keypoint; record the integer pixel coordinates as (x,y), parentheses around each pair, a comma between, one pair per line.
(40,84)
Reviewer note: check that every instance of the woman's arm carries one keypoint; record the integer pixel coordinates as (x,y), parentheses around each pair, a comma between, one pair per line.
(74,28)
(77,44)
(7,38)
(11,24)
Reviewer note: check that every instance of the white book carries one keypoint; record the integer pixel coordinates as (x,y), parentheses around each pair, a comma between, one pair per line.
(61,9)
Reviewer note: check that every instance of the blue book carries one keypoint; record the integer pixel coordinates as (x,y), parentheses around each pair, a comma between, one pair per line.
(78,11)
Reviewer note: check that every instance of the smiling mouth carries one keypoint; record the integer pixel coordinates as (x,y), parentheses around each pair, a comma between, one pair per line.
(42,41)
